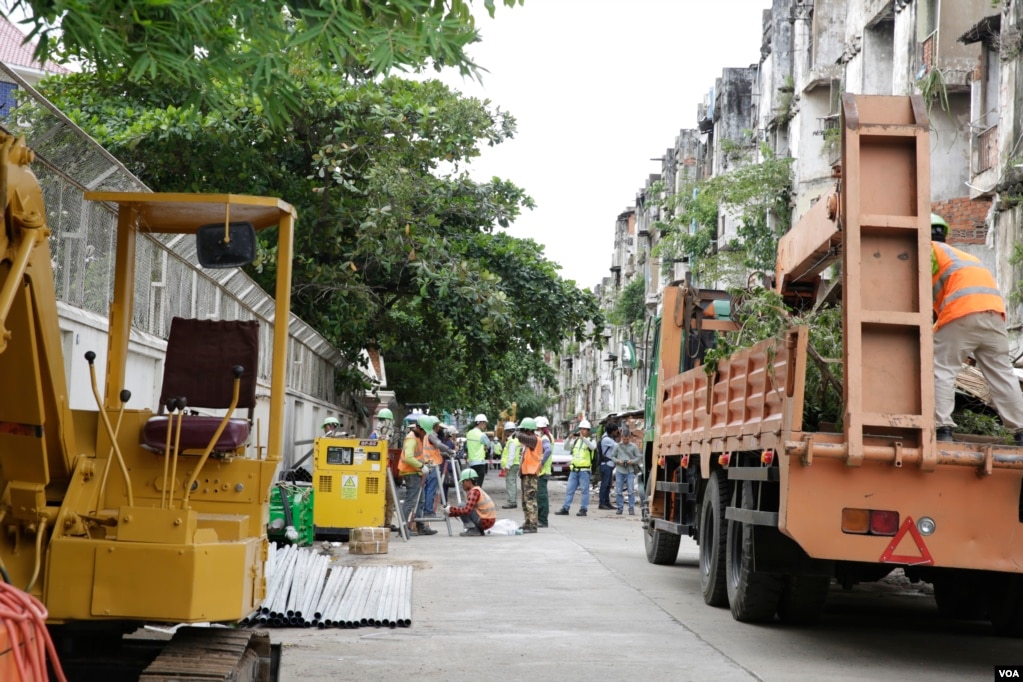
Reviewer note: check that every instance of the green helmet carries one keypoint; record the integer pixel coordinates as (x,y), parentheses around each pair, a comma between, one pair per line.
(426,422)
(468,475)
(385,414)
(330,421)
(938,222)
(527,424)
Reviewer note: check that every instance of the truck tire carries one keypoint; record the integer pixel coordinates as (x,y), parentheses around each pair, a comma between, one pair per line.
(961,596)
(712,540)
(1005,604)
(661,547)
(753,596)
(803,599)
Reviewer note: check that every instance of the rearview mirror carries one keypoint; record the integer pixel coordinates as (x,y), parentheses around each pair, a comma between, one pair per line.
(215,252)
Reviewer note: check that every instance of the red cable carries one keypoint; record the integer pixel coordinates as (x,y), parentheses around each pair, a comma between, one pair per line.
(24,617)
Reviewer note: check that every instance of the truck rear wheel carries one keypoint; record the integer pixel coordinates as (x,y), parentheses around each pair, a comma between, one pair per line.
(661,547)
(712,541)
(1005,604)
(803,599)
(753,596)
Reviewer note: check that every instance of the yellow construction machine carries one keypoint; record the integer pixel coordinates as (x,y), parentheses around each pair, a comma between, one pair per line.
(134,512)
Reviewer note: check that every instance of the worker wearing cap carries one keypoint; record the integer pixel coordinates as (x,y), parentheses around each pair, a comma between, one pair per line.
(581,447)
(478,514)
(543,500)
(476,446)
(970,321)
(331,428)
(411,468)
(435,451)
(534,457)
(510,459)
(385,425)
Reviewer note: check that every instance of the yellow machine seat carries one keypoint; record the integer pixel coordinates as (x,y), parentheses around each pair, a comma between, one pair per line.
(198,372)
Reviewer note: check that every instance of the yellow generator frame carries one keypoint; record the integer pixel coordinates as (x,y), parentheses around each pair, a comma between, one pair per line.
(350,483)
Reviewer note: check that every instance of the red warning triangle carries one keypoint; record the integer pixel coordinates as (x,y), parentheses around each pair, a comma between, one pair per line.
(890,557)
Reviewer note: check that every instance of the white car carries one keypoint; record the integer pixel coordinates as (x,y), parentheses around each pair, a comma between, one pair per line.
(561,459)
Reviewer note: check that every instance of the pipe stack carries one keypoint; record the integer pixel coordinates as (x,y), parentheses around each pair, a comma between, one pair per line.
(303,589)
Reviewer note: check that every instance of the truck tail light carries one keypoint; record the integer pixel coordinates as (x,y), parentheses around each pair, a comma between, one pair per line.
(884,522)
(870,521)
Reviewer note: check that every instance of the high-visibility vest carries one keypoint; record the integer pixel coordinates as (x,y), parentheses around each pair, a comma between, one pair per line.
(961,285)
(532,458)
(475,453)
(510,456)
(403,466)
(431,452)
(549,466)
(582,455)
(485,507)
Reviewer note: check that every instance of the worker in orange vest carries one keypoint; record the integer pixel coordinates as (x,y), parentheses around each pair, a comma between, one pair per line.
(970,321)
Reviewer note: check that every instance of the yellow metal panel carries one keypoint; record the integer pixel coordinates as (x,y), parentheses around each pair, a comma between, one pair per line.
(174,583)
(150,524)
(228,527)
(184,213)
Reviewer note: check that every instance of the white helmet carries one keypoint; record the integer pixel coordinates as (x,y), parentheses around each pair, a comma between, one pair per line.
(480,418)
(509,426)
(542,422)
(584,424)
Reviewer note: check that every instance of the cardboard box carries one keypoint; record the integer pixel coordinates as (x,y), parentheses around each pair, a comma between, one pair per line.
(369,535)
(366,547)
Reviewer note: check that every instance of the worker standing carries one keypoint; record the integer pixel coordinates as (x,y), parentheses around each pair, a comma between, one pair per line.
(970,321)
(510,459)
(607,445)
(626,459)
(435,451)
(543,500)
(478,514)
(476,446)
(411,467)
(331,428)
(533,460)
(581,447)
(384,426)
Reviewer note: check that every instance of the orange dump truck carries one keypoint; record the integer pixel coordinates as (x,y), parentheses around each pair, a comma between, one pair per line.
(780,512)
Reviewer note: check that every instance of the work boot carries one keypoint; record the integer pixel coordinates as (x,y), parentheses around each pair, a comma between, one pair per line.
(944,434)
(1017,438)
(510,505)
(424,529)
(618,512)
(410,531)
(581,512)
(529,529)
(561,512)
(541,525)
(470,531)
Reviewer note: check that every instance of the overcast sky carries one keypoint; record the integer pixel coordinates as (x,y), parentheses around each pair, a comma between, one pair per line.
(599,88)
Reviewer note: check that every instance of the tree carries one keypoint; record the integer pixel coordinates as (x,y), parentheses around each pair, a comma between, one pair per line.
(397,247)
(250,43)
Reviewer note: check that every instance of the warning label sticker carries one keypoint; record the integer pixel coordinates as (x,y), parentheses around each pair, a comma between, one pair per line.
(349,487)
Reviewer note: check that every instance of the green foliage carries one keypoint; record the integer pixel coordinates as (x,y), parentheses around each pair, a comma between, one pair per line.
(396,246)
(932,88)
(630,307)
(1016,260)
(751,194)
(968,421)
(761,314)
(248,46)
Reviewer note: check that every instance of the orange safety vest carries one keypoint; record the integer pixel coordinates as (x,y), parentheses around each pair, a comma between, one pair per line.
(961,285)
(431,452)
(403,466)
(532,458)
(485,507)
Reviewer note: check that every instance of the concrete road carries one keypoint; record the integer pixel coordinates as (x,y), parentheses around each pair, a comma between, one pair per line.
(579,601)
